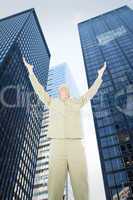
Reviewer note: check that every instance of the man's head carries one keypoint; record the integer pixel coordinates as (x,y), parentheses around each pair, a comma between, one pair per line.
(64,92)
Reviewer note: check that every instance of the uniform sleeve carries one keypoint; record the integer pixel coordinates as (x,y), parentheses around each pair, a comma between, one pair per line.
(91,91)
(40,91)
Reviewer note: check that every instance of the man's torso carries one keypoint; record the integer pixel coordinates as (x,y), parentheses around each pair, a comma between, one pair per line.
(64,119)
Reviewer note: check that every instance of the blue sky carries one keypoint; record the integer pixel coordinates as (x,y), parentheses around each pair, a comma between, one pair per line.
(59,20)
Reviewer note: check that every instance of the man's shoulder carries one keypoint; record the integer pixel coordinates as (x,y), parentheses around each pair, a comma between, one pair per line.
(54,99)
(74,99)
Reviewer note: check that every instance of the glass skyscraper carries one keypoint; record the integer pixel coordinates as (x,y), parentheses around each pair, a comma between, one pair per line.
(109,37)
(57,75)
(20,109)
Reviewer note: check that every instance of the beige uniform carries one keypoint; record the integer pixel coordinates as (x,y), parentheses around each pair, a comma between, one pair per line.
(67,145)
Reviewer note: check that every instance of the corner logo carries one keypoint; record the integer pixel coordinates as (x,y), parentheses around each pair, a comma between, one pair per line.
(124,100)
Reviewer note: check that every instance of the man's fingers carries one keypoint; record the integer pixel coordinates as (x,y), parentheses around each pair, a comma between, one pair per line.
(23,58)
(103,66)
(28,66)
(24,61)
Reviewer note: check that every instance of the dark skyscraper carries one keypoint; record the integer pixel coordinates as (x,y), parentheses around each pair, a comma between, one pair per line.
(110,37)
(21,111)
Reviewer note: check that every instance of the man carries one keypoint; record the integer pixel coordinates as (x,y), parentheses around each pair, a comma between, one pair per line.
(67,152)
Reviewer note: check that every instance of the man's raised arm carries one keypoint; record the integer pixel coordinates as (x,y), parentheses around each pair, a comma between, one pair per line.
(40,91)
(94,88)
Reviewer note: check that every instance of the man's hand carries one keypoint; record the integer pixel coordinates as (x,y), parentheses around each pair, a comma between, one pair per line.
(102,69)
(39,89)
(28,66)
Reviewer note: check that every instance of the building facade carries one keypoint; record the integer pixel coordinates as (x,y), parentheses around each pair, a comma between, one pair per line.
(57,75)
(20,109)
(109,37)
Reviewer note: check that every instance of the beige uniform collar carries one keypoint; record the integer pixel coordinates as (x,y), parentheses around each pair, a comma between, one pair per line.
(66,99)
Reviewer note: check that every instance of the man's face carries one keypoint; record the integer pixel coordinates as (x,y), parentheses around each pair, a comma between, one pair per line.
(64,93)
